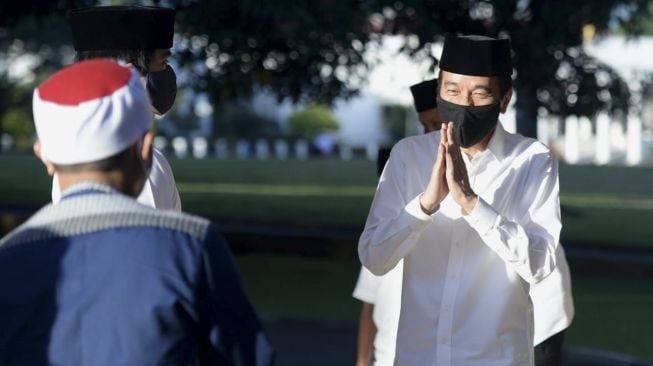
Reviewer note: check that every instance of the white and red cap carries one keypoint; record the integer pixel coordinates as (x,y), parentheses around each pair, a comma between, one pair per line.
(90,111)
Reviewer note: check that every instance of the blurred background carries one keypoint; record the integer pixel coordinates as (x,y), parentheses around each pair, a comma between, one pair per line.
(282,109)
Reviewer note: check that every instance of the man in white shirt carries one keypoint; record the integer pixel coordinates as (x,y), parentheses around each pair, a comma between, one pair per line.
(553,307)
(474,213)
(142,37)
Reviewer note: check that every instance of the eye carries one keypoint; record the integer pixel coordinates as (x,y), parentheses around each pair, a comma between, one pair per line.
(452,91)
(481,95)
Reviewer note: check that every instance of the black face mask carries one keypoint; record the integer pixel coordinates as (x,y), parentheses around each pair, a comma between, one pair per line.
(471,123)
(162,87)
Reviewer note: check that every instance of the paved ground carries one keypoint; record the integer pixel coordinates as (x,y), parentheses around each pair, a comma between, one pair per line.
(315,343)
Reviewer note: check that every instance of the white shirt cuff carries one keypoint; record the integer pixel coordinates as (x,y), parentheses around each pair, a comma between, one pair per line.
(364,295)
(482,218)
(414,209)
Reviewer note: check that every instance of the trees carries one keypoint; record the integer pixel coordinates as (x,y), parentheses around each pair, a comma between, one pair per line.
(34,36)
(314,51)
(299,50)
(545,34)
(311,121)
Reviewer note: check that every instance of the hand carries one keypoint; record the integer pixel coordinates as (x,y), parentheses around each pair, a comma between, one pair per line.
(437,188)
(456,172)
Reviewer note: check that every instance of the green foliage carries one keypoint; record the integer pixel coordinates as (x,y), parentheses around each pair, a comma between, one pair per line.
(301,50)
(314,50)
(18,123)
(545,35)
(238,121)
(312,121)
(16,119)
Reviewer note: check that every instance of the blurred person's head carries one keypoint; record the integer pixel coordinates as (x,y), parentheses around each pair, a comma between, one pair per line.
(425,96)
(93,122)
(140,36)
(475,85)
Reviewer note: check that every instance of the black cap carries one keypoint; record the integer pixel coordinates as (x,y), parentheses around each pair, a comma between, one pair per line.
(425,95)
(476,55)
(122,28)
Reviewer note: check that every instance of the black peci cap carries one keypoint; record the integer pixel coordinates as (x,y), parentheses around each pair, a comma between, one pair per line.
(122,28)
(476,55)
(425,95)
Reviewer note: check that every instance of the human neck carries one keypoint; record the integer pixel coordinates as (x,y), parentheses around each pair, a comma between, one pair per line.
(113,179)
(479,146)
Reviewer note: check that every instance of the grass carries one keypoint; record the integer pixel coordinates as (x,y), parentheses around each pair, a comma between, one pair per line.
(603,205)
(304,287)
(612,314)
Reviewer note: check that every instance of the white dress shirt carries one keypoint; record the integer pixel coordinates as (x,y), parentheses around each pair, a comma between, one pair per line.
(466,278)
(553,306)
(159,191)
(384,292)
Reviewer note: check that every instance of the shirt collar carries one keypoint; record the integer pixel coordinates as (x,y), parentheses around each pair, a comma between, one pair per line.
(87,187)
(495,146)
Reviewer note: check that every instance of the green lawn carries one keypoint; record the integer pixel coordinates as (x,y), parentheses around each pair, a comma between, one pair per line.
(612,314)
(603,205)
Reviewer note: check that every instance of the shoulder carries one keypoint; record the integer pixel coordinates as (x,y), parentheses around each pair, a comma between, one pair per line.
(428,141)
(161,170)
(188,224)
(526,148)
(97,213)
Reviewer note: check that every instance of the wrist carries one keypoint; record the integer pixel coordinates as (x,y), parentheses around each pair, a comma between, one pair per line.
(469,203)
(427,204)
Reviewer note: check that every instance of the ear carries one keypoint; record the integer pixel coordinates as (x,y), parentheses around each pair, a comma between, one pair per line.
(505,101)
(37,151)
(146,149)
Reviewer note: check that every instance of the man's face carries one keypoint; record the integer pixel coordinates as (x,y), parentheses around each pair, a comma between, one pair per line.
(430,119)
(159,59)
(470,90)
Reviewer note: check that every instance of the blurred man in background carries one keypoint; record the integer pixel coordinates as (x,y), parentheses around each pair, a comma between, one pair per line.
(142,37)
(426,104)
